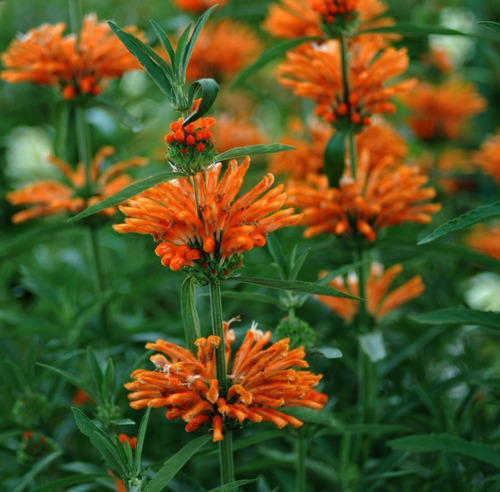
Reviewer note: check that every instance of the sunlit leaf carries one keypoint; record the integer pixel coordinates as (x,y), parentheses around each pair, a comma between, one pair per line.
(252,150)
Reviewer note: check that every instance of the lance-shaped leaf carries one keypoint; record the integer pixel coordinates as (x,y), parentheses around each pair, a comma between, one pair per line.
(410,29)
(494,26)
(334,158)
(192,327)
(252,150)
(207,89)
(126,193)
(165,42)
(156,67)
(480,214)
(141,434)
(459,316)
(294,285)
(274,53)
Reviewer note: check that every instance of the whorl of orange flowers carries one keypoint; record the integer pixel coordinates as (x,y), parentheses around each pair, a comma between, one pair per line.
(382,195)
(234,131)
(379,301)
(486,240)
(315,73)
(198,5)
(73,193)
(488,157)
(223,49)
(440,111)
(261,381)
(78,67)
(199,223)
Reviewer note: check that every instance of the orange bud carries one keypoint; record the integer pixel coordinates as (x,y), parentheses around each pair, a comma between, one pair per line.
(209,244)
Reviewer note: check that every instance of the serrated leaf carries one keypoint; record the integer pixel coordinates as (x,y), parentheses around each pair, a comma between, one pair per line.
(410,29)
(175,463)
(273,53)
(126,193)
(230,487)
(252,150)
(462,316)
(334,158)
(372,345)
(480,214)
(294,285)
(207,89)
(448,443)
(154,65)
(192,327)
(494,26)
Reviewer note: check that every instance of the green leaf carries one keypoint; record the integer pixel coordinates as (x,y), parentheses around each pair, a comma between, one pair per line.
(252,150)
(64,483)
(180,74)
(273,53)
(252,297)
(463,316)
(410,29)
(126,193)
(298,263)
(448,443)
(468,219)
(277,255)
(175,463)
(108,380)
(207,89)
(294,285)
(185,55)
(192,327)
(35,470)
(230,487)
(334,158)
(372,345)
(319,417)
(153,63)
(256,439)
(101,441)
(141,434)
(494,26)
(79,383)
(165,42)
(327,352)
(96,373)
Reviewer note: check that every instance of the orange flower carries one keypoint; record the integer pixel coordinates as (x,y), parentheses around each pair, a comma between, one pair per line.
(233,131)
(80,397)
(200,227)
(44,56)
(131,440)
(261,381)
(197,5)
(382,195)
(223,49)
(440,111)
(50,197)
(379,300)
(315,73)
(488,157)
(486,240)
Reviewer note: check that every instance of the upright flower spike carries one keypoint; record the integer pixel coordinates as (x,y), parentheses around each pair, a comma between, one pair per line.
(73,194)
(78,67)
(379,300)
(260,382)
(488,157)
(382,195)
(201,226)
(315,73)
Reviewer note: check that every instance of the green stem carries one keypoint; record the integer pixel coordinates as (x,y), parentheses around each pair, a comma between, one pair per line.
(75,16)
(100,279)
(301,451)
(226,445)
(84,146)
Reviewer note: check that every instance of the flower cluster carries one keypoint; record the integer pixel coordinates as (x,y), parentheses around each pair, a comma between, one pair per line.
(74,193)
(383,194)
(260,382)
(336,14)
(486,240)
(488,157)
(78,66)
(191,148)
(197,5)
(199,225)
(314,72)
(379,300)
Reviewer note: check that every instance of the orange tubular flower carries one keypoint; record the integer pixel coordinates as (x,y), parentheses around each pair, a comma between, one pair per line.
(201,228)
(315,73)
(488,157)
(44,56)
(197,5)
(382,195)
(486,240)
(233,131)
(50,197)
(379,300)
(435,112)
(261,381)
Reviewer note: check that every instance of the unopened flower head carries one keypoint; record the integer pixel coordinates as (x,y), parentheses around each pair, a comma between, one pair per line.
(74,193)
(380,301)
(260,382)
(383,194)
(201,226)
(79,67)
(337,16)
